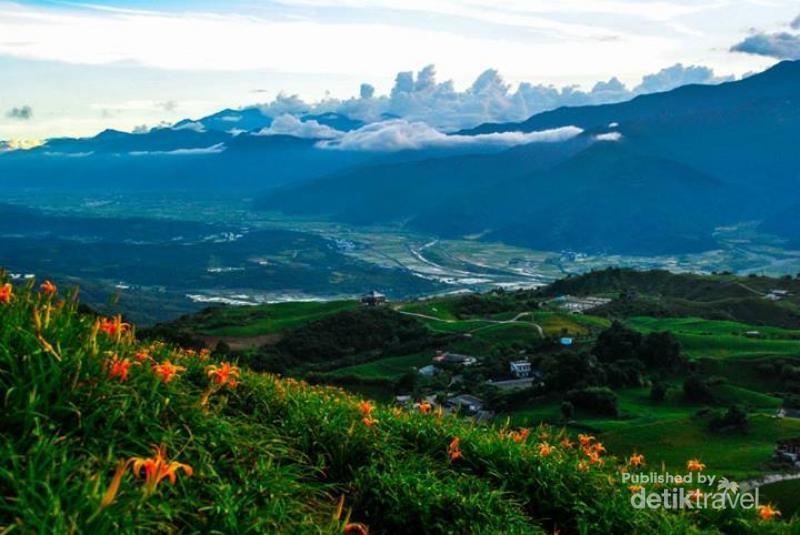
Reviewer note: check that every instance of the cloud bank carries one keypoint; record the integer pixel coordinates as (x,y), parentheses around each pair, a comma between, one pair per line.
(419,97)
(289,125)
(22,113)
(399,134)
(780,45)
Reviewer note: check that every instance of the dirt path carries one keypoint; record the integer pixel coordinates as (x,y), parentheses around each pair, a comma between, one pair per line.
(515,319)
(238,343)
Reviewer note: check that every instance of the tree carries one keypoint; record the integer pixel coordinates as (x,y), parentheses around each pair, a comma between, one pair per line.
(733,420)
(662,350)
(695,388)
(599,400)
(617,343)
(573,370)
(567,410)
(658,392)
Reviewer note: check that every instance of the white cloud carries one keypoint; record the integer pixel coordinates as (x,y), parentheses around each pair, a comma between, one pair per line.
(397,135)
(421,98)
(195,126)
(292,126)
(609,136)
(214,149)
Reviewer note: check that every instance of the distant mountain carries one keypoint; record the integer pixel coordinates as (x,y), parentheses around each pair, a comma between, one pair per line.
(604,199)
(398,191)
(654,175)
(245,119)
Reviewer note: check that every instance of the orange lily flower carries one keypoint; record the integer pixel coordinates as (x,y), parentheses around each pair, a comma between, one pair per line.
(594,458)
(6,292)
(695,495)
(355,528)
(635,488)
(167,370)
(424,407)
(545,449)
(637,459)
(453,450)
(521,435)
(566,443)
(365,407)
(369,421)
(767,512)
(585,440)
(156,468)
(48,288)
(598,447)
(224,374)
(694,465)
(113,327)
(119,368)
(142,356)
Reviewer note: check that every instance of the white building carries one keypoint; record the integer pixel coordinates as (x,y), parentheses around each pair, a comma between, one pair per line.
(520,369)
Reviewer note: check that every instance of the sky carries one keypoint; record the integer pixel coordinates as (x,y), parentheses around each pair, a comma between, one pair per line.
(76,68)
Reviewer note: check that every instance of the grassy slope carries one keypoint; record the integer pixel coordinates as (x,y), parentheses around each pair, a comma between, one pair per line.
(271,455)
(722,339)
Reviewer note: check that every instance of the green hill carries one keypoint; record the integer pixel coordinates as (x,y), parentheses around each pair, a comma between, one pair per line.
(84,405)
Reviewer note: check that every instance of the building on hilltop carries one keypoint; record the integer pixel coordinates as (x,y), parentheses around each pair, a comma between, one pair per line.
(373,298)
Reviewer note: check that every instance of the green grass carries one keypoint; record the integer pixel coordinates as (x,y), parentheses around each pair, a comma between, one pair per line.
(385,368)
(674,441)
(441,308)
(783,494)
(268,319)
(722,339)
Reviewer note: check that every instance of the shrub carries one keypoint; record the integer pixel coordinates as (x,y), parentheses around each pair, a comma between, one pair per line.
(599,400)
(695,388)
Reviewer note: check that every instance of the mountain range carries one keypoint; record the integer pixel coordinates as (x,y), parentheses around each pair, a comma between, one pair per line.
(653,175)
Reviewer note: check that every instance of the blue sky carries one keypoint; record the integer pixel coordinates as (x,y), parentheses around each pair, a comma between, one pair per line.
(81,67)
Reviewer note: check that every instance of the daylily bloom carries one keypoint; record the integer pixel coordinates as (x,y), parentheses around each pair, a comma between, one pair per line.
(545,449)
(119,368)
(694,465)
(369,421)
(113,327)
(453,450)
(155,468)
(634,488)
(637,459)
(48,288)
(695,495)
(365,407)
(598,447)
(521,435)
(355,528)
(142,356)
(6,292)
(566,443)
(594,458)
(425,407)
(582,466)
(767,512)
(224,374)
(585,440)
(167,370)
